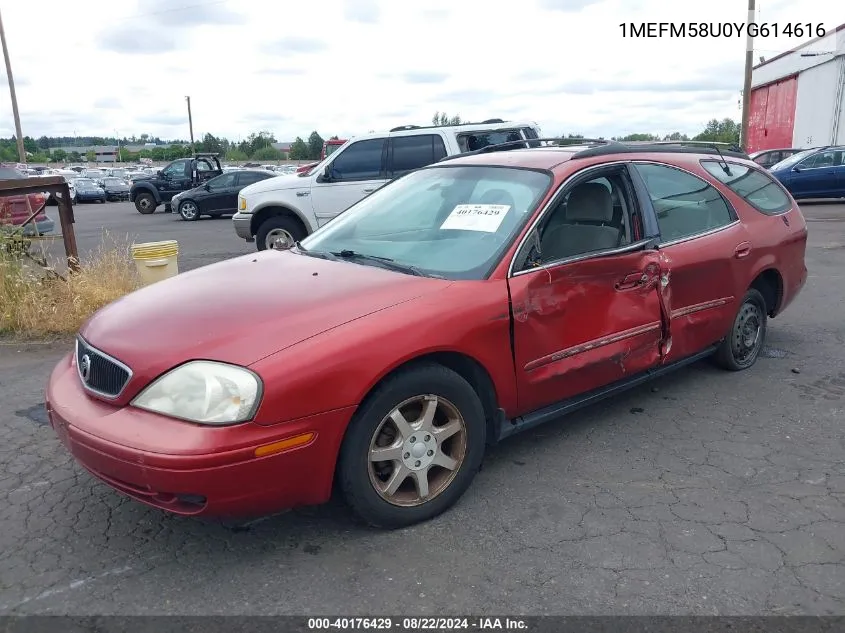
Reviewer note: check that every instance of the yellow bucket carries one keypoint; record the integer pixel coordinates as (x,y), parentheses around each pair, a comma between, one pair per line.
(156,260)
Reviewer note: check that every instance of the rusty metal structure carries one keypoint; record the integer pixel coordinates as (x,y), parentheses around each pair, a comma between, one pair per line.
(56,186)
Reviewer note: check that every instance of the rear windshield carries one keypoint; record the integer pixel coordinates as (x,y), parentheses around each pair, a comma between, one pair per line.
(757,188)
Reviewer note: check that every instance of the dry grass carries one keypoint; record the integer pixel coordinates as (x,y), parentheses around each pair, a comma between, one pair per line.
(35,302)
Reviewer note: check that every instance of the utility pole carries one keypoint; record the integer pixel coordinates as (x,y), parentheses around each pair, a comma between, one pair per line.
(746,89)
(191,123)
(15,113)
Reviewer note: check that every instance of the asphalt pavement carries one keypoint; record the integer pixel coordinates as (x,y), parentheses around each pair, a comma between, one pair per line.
(706,492)
(201,242)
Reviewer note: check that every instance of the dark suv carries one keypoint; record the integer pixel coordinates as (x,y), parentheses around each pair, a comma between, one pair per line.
(176,177)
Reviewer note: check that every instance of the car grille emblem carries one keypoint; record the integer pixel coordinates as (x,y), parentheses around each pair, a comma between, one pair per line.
(85,367)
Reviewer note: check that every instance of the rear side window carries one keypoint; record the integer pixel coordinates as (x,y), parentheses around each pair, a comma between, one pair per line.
(755,187)
(471,141)
(685,205)
(412,152)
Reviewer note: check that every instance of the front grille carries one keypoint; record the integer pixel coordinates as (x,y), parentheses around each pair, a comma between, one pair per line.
(99,372)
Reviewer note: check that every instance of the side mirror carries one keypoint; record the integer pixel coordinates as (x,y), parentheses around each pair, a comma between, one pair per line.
(796,168)
(160,173)
(326,176)
(207,187)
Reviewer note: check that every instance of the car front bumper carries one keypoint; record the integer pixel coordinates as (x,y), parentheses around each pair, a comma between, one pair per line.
(80,196)
(243,225)
(191,469)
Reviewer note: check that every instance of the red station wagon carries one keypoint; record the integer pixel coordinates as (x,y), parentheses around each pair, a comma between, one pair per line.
(458,305)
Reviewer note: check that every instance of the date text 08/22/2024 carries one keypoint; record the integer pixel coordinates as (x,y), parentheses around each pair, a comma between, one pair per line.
(721,29)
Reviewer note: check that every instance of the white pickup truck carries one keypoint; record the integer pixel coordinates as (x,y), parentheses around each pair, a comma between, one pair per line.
(280,211)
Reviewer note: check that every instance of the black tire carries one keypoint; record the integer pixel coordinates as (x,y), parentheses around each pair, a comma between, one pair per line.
(184,206)
(145,203)
(739,350)
(354,461)
(278,223)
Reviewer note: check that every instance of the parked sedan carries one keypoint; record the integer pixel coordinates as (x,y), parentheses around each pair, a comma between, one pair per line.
(115,189)
(813,173)
(218,196)
(89,191)
(768,157)
(456,306)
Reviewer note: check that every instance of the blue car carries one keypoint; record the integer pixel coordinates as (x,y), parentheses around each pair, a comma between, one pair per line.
(89,191)
(813,173)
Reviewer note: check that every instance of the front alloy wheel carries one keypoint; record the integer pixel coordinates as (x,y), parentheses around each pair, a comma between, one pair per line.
(188,210)
(413,447)
(417,450)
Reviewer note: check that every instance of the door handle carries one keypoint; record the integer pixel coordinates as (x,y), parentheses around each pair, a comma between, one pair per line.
(742,250)
(369,190)
(632,280)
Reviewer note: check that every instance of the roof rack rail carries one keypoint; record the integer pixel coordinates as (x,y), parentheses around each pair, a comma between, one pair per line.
(532,143)
(492,121)
(702,147)
(401,128)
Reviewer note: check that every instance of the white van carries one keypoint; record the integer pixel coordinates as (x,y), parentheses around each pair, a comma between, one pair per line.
(278,212)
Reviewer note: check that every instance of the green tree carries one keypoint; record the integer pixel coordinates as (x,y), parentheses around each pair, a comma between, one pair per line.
(125,156)
(211,144)
(441,118)
(299,149)
(43,142)
(315,146)
(38,157)
(236,155)
(59,155)
(334,138)
(636,137)
(90,156)
(724,131)
(676,136)
(257,141)
(267,153)
(30,145)
(74,157)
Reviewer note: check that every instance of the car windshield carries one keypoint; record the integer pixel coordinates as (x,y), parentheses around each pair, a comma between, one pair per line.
(113,181)
(792,160)
(84,182)
(452,222)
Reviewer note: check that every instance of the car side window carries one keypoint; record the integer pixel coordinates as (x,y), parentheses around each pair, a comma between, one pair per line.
(822,159)
(415,151)
(594,215)
(754,186)
(361,160)
(248,178)
(221,182)
(175,170)
(685,205)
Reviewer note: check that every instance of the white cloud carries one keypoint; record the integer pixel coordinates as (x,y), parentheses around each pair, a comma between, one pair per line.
(350,66)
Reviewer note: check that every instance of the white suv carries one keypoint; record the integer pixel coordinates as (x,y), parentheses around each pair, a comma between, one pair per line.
(277,212)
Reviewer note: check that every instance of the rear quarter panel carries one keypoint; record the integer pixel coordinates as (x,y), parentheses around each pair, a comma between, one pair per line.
(778,242)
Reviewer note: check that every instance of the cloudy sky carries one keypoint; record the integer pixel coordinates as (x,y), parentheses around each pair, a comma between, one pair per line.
(350,66)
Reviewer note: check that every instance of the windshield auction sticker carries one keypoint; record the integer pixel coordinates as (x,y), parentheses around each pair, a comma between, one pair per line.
(476,217)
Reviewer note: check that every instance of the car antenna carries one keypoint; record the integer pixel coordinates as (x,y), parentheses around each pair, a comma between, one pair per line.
(725,167)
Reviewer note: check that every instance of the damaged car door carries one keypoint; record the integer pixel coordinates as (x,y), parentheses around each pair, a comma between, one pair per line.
(589,292)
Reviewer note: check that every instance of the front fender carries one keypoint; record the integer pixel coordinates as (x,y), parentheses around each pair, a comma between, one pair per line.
(144,188)
(269,208)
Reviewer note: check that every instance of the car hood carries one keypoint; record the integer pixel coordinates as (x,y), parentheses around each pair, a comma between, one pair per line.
(276,183)
(244,309)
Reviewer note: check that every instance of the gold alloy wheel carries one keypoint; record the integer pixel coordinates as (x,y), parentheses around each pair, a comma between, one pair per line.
(417,450)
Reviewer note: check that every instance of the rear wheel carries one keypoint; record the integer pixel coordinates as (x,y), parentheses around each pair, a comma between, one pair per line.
(189,211)
(741,347)
(413,448)
(278,232)
(145,203)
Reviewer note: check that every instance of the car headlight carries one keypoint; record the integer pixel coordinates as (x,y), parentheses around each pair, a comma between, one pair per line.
(203,391)
(241,203)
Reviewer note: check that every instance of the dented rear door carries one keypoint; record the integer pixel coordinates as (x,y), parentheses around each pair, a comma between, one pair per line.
(585,324)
